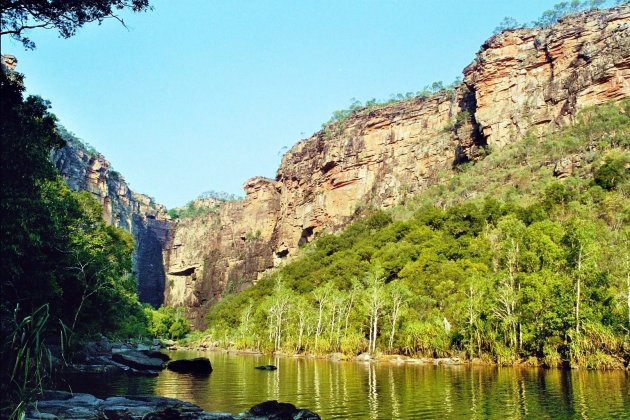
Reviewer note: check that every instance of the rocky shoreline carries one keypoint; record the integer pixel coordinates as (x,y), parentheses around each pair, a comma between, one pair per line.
(103,356)
(336,357)
(396,359)
(65,405)
(146,359)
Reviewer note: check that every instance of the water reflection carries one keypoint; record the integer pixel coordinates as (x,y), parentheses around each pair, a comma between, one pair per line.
(364,390)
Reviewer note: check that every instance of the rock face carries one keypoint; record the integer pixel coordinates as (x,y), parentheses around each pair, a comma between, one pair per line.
(539,78)
(87,170)
(8,61)
(526,79)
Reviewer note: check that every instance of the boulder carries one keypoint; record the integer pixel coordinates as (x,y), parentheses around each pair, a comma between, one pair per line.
(199,365)
(363,357)
(267,367)
(138,360)
(142,347)
(275,410)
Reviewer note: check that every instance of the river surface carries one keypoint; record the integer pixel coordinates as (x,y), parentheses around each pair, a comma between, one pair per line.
(382,390)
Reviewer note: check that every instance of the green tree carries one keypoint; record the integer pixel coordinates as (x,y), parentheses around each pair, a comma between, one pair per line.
(56,252)
(321,296)
(27,130)
(612,172)
(21,16)
(167,322)
(375,300)
(580,240)
(279,304)
(508,23)
(399,295)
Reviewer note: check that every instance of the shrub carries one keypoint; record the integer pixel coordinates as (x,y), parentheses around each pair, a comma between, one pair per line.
(612,173)
(167,322)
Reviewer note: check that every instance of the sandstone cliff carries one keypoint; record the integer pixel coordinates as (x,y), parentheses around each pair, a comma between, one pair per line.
(85,169)
(526,79)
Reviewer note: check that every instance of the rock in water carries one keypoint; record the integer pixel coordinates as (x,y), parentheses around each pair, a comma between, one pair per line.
(138,360)
(280,411)
(267,367)
(59,404)
(157,355)
(200,366)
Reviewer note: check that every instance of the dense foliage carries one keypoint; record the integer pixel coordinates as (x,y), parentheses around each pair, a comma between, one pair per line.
(194,208)
(206,203)
(62,269)
(56,248)
(501,261)
(167,322)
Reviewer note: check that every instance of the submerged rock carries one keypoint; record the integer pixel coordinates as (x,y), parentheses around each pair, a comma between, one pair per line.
(199,365)
(267,367)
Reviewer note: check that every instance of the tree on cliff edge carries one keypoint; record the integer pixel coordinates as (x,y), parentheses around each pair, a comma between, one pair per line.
(20,16)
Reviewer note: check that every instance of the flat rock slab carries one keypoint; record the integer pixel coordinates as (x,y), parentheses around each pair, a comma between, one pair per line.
(64,405)
(199,366)
(155,354)
(148,407)
(138,360)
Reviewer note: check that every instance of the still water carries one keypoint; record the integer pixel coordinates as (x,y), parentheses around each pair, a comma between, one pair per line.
(383,391)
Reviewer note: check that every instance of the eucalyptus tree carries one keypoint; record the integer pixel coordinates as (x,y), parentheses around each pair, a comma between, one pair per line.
(375,300)
(510,232)
(321,296)
(280,301)
(582,244)
(399,295)
(302,316)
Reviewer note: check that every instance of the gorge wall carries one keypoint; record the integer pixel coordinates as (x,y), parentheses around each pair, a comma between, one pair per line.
(87,170)
(521,80)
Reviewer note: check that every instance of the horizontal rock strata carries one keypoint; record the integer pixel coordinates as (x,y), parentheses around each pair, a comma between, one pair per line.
(525,79)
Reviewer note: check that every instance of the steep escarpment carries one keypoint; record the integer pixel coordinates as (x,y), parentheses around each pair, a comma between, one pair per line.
(223,251)
(528,78)
(86,170)
(521,80)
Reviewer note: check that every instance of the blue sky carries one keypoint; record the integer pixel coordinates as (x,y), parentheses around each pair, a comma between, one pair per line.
(202,95)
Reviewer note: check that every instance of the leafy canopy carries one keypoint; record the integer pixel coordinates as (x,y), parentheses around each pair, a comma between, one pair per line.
(20,16)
